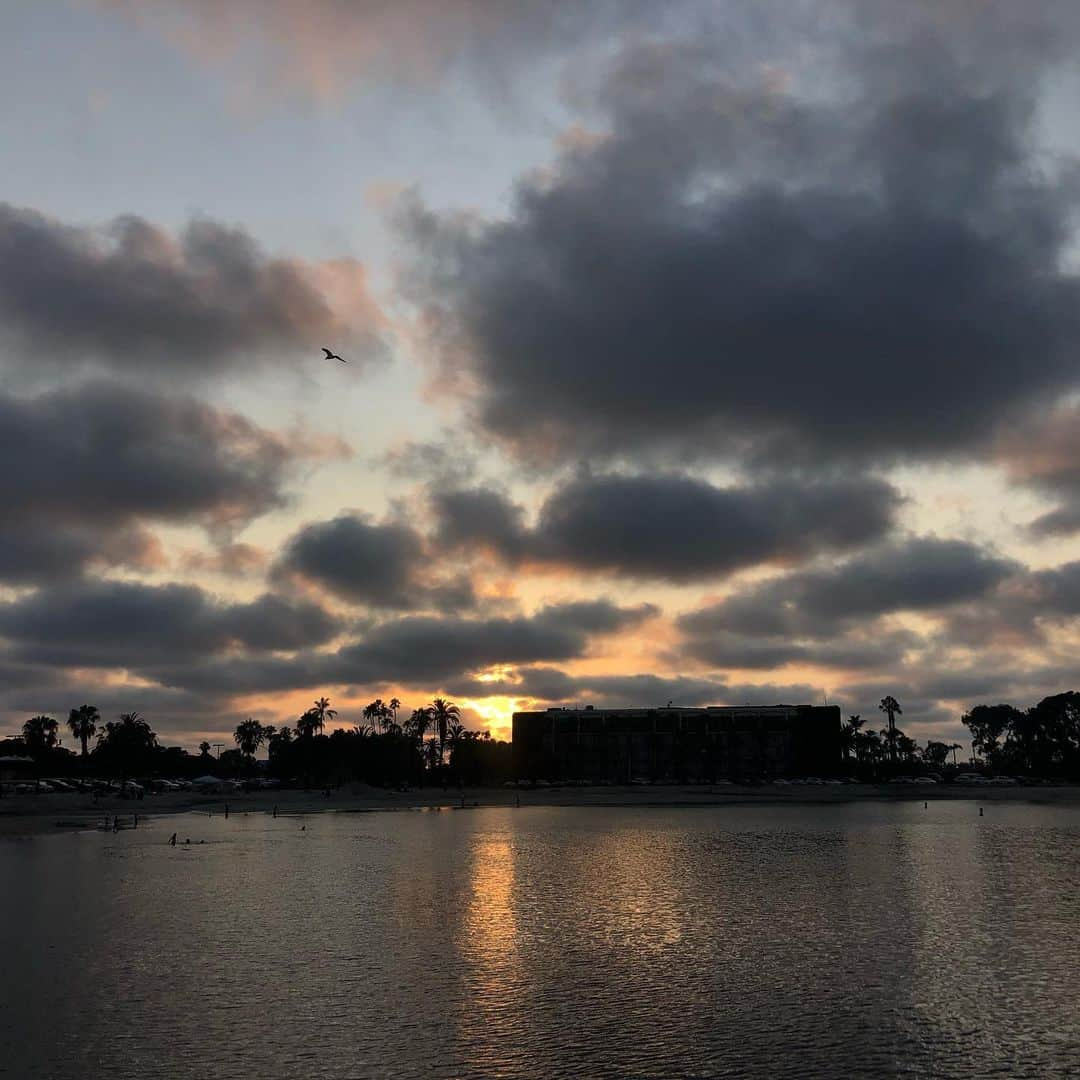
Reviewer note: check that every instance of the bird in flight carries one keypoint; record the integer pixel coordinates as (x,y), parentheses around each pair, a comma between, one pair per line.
(334,356)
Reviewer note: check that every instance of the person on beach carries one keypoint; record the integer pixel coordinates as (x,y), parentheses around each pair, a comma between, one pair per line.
(172,840)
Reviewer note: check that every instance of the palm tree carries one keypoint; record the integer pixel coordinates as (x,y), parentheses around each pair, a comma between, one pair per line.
(848,734)
(418,724)
(393,707)
(954,747)
(891,707)
(308,724)
(249,736)
(375,711)
(83,722)
(39,732)
(323,712)
(442,713)
(906,746)
(204,748)
(454,731)
(276,741)
(129,742)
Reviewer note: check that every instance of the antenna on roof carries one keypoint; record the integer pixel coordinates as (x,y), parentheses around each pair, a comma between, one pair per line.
(825,696)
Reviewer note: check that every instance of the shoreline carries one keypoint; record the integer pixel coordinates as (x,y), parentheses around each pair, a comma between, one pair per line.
(31,815)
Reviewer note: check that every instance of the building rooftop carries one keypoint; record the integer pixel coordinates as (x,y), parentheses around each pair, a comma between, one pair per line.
(638,710)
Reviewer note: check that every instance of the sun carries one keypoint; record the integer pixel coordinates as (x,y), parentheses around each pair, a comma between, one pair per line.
(496,713)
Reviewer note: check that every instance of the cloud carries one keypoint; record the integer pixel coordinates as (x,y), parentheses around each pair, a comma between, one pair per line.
(1045,457)
(838,617)
(881,649)
(670,526)
(385,565)
(550,685)
(416,650)
(133,298)
(123,625)
(98,462)
(273,623)
(597,616)
(915,574)
(442,461)
(426,649)
(737,271)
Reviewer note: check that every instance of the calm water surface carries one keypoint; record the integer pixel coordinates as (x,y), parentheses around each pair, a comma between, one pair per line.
(853,940)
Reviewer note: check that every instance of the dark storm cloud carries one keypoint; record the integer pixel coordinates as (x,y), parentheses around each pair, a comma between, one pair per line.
(596,616)
(113,624)
(132,297)
(42,550)
(87,467)
(479,516)
(671,526)
(551,685)
(274,623)
(919,574)
(1056,591)
(421,650)
(734,270)
(852,651)
(385,565)
(1024,612)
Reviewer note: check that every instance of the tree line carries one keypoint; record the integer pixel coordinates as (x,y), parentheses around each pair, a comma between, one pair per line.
(1042,741)
(431,746)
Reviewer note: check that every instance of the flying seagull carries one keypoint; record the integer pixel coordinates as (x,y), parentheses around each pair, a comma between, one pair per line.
(334,356)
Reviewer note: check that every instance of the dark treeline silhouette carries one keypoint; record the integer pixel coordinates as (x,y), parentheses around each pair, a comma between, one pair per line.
(1042,741)
(431,747)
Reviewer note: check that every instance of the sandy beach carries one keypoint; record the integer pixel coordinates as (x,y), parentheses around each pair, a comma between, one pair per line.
(26,815)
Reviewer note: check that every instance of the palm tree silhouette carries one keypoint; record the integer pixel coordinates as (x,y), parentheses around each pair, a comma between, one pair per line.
(323,712)
(307,724)
(204,748)
(83,722)
(442,713)
(39,732)
(891,707)
(129,741)
(418,724)
(375,711)
(249,736)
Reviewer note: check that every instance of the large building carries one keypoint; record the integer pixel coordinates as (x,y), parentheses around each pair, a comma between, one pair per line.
(685,745)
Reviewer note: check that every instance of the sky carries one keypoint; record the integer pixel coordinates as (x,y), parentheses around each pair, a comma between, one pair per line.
(705,353)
